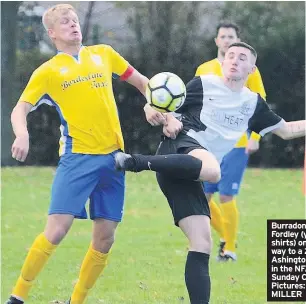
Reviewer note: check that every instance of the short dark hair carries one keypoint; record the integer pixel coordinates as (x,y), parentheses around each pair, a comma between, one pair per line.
(245,45)
(229,25)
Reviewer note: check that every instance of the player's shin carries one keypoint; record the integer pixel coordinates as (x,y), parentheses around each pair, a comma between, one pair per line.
(37,257)
(217,221)
(92,266)
(197,277)
(231,220)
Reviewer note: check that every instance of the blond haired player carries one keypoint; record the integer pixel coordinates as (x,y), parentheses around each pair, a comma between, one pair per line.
(77,81)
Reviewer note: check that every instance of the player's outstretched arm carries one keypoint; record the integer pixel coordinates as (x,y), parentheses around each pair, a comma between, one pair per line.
(139,81)
(20,147)
(291,130)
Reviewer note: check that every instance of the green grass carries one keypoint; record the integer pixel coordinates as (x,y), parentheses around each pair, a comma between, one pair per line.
(148,258)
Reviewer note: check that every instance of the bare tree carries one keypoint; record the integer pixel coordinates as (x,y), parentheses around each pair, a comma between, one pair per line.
(88,15)
(9,12)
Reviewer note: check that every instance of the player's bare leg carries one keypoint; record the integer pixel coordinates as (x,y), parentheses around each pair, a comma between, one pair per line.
(197,230)
(210,170)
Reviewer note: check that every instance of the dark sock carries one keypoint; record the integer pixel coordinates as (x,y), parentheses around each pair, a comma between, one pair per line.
(197,277)
(181,166)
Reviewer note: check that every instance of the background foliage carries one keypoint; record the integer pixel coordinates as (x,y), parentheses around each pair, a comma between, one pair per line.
(155,37)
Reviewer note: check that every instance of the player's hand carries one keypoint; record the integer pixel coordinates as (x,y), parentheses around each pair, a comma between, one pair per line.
(154,117)
(253,146)
(20,147)
(173,126)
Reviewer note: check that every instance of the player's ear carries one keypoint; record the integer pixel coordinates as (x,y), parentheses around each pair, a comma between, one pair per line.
(253,69)
(216,41)
(51,33)
(238,39)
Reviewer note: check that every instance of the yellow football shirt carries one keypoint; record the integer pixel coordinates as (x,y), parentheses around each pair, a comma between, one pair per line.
(254,83)
(80,88)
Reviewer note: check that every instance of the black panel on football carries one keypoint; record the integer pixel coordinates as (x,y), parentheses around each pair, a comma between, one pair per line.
(176,96)
(164,86)
(162,108)
(161,87)
(150,92)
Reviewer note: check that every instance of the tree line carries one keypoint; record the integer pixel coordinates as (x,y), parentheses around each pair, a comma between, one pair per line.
(167,36)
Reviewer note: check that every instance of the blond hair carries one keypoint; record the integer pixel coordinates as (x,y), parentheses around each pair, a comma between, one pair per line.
(54,12)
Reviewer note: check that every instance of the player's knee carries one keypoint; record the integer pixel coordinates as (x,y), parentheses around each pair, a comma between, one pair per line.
(216,175)
(103,243)
(226,198)
(57,227)
(212,174)
(201,243)
(56,234)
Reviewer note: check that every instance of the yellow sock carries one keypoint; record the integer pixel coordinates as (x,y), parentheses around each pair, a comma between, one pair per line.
(217,220)
(37,257)
(231,219)
(92,266)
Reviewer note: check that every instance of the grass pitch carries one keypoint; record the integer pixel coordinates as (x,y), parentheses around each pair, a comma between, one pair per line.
(148,258)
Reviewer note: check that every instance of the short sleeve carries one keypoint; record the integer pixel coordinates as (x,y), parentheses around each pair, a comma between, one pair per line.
(264,120)
(120,67)
(194,94)
(37,86)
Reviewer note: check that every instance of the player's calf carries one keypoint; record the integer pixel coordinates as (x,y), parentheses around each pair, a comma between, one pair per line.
(180,166)
(197,279)
(197,166)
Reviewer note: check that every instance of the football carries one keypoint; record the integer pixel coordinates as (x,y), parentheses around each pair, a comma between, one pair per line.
(166,92)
